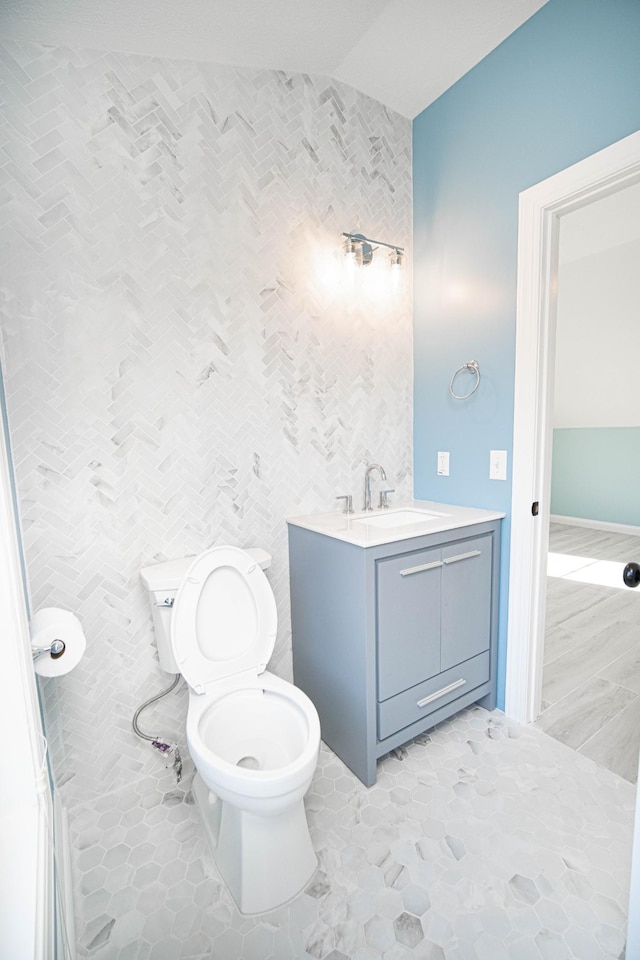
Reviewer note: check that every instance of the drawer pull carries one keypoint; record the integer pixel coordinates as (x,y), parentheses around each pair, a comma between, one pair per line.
(423,566)
(462,556)
(441,693)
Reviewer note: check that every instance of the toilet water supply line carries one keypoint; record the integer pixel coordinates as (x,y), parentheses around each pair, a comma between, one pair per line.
(166,749)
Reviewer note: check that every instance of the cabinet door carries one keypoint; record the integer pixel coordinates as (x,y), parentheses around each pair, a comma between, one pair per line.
(466,600)
(408,612)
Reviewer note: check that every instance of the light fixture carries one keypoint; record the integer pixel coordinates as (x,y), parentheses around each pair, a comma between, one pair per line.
(395,266)
(360,249)
(395,258)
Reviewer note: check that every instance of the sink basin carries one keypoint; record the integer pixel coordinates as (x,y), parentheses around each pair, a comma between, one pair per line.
(400,518)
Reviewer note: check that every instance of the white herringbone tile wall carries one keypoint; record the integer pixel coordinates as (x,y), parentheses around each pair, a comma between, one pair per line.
(183,363)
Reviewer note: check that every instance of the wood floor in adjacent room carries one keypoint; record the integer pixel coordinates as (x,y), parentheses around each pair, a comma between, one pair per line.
(591,677)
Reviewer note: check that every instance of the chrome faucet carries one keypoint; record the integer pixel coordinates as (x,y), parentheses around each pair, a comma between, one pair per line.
(367,483)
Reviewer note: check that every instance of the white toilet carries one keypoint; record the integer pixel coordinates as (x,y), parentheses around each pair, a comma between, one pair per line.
(253,737)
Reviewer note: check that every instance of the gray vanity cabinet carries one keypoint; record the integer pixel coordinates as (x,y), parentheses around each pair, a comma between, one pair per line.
(389,640)
(408,620)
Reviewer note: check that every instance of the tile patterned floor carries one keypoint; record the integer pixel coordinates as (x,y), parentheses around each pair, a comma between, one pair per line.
(482,840)
(591,682)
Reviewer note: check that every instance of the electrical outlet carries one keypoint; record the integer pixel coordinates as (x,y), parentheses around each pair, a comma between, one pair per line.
(498,465)
(443,463)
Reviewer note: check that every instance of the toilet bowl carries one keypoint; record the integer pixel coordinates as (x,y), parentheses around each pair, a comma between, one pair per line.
(253,737)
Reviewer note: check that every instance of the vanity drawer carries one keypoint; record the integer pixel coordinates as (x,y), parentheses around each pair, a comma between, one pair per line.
(419,701)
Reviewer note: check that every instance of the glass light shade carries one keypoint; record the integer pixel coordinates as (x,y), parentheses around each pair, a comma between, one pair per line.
(395,266)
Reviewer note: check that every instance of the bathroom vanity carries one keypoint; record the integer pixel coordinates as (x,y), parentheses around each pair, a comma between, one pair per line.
(394,621)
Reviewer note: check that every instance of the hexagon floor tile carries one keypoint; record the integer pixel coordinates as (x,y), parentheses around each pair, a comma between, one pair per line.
(481,840)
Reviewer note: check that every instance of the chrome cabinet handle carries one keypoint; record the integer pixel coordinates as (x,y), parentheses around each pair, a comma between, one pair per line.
(441,693)
(462,556)
(423,566)
(438,563)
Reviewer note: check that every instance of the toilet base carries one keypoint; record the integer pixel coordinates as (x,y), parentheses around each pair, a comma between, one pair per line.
(264,861)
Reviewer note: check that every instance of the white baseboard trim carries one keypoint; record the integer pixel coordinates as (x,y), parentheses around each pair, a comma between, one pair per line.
(65,914)
(625,528)
(45,925)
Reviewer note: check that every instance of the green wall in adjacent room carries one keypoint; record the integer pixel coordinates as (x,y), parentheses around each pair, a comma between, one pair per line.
(596,474)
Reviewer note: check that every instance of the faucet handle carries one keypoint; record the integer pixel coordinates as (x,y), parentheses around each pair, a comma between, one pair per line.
(348,502)
(384,503)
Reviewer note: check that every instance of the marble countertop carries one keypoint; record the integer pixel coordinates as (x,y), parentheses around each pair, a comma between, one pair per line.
(360,528)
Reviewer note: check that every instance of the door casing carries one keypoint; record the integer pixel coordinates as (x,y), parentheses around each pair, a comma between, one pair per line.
(540,209)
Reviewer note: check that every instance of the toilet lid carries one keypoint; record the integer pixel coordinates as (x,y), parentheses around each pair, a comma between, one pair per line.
(224,618)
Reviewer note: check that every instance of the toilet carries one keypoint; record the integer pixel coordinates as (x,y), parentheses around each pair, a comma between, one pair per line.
(253,737)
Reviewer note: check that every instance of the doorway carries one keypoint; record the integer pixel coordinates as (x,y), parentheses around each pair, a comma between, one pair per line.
(591,665)
(541,208)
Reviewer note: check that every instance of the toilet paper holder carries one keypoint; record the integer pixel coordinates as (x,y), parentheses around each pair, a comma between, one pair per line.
(56,648)
(58,642)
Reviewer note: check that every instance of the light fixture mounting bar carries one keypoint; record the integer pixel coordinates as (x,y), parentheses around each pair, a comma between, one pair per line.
(359,238)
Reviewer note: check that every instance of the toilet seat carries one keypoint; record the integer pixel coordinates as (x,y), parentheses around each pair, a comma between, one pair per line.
(224,619)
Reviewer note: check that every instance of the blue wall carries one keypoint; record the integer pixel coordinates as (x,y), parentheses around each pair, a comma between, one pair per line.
(596,473)
(563,86)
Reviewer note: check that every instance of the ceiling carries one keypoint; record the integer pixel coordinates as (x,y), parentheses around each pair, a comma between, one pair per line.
(404,53)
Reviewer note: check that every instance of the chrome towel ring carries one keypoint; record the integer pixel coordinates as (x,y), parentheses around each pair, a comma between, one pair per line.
(472,367)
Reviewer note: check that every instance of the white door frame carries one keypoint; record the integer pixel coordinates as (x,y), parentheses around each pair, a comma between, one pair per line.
(26,840)
(541,207)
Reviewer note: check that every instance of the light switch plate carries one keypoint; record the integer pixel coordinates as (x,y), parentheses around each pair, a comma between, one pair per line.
(443,463)
(498,465)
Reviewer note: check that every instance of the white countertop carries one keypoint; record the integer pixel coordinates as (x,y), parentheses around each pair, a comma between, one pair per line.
(354,528)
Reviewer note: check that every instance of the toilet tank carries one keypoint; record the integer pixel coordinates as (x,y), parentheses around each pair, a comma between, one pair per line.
(162,581)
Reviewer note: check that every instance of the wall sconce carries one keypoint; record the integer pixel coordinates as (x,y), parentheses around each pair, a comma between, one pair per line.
(359,249)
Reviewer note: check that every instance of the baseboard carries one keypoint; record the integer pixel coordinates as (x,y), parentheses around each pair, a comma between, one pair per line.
(625,528)
(64,912)
(45,927)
